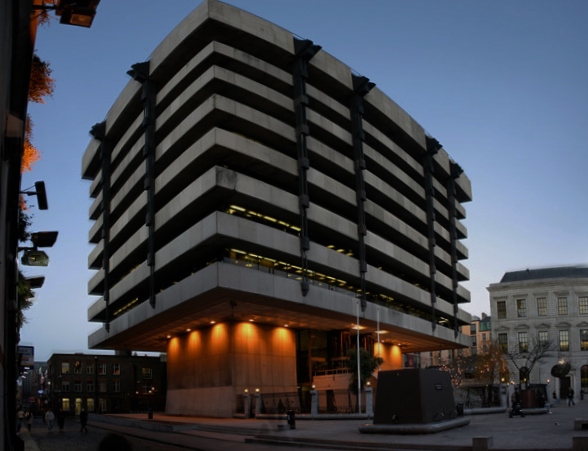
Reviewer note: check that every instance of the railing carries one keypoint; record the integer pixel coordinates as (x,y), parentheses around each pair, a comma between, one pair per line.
(343,370)
(313,403)
(280,403)
(340,401)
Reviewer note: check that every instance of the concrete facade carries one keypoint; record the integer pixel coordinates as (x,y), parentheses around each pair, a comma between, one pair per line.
(247,176)
(547,304)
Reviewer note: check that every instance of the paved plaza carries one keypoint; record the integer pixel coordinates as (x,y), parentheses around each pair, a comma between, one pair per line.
(553,431)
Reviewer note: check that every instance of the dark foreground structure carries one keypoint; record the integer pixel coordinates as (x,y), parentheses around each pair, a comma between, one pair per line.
(257,205)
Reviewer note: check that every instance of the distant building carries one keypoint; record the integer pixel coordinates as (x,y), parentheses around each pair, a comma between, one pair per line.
(253,197)
(481,332)
(31,387)
(544,305)
(105,383)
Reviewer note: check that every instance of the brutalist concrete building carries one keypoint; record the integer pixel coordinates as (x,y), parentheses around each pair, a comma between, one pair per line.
(257,205)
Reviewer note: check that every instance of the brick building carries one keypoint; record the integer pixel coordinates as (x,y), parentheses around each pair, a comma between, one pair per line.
(106,383)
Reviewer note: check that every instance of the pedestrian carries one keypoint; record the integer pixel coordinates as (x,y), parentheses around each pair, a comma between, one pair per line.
(49,417)
(83,421)
(555,398)
(61,419)
(19,419)
(29,419)
(571,401)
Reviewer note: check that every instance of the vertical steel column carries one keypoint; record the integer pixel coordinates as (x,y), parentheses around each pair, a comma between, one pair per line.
(98,131)
(455,172)
(305,50)
(433,147)
(361,86)
(140,73)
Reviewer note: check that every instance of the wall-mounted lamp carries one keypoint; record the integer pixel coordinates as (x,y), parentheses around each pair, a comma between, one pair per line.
(34,257)
(73,12)
(40,193)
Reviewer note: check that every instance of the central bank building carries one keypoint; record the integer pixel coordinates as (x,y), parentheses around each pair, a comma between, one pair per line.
(257,205)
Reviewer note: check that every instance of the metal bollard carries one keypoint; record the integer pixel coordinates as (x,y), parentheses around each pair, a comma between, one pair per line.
(291,417)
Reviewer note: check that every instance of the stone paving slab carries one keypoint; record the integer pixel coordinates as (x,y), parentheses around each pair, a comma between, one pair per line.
(553,431)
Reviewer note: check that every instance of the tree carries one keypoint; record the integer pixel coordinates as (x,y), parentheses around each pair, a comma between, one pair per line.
(492,365)
(41,86)
(367,365)
(524,359)
(459,368)
(23,288)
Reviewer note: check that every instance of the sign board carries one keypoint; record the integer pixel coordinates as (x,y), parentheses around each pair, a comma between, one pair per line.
(27,354)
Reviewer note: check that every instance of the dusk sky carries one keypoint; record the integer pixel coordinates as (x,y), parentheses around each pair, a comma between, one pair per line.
(503,85)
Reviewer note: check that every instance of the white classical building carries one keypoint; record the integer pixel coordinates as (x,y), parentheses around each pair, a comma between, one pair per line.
(545,305)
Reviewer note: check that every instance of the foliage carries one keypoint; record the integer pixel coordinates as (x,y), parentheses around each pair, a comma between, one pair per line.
(561,369)
(492,365)
(41,85)
(459,369)
(25,297)
(23,289)
(367,365)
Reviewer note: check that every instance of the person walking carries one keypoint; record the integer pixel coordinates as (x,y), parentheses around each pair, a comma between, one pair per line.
(571,401)
(83,421)
(61,419)
(29,419)
(49,417)
(19,419)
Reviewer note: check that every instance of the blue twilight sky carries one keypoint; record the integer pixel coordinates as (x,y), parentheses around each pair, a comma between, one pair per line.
(503,85)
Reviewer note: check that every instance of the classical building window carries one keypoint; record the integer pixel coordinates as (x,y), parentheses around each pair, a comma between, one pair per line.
(65,404)
(542,306)
(65,386)
(90,387)
(503,342)
(584,339)
(147,373)
(521,308)
(116,369)
(564,340)
(77,386)
(102,368)
(523,342)
(117,386)
(562,306)
(583,305)
(543,336)
(64,367)
(501,309)
(90,368)
(102,386)
(90,404)
(77,367)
